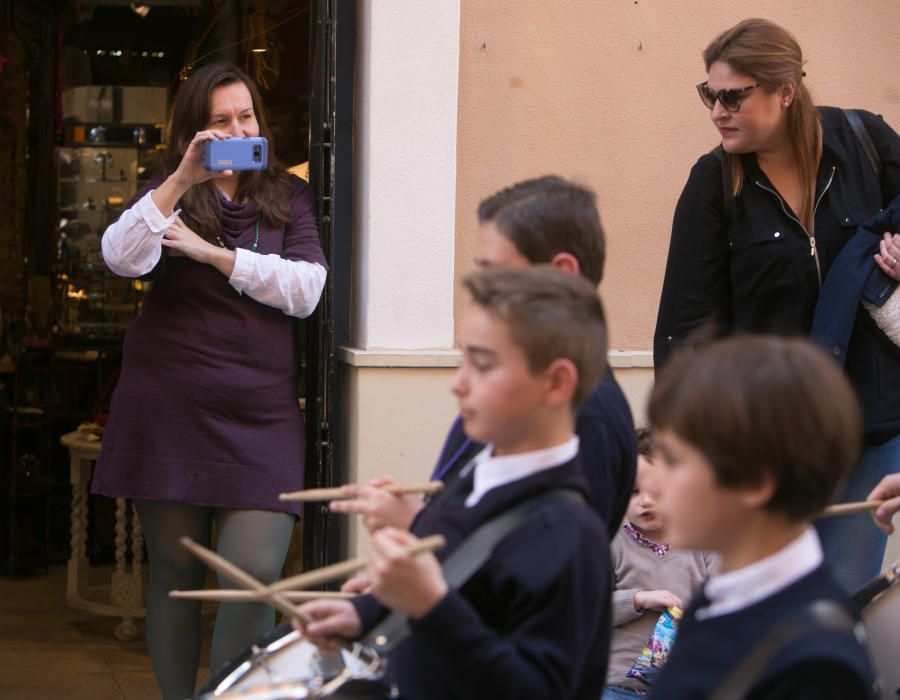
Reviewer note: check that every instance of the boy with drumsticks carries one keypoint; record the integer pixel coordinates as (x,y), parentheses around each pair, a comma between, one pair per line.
(533,621)
(753,435)
(545,220)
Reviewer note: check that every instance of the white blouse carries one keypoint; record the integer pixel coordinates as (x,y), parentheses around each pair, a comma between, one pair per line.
(133,245)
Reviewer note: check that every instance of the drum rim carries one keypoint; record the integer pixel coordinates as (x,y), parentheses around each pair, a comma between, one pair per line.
(281,636)
(242,661)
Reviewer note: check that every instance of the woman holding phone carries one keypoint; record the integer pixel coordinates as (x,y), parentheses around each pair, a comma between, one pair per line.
(205,426)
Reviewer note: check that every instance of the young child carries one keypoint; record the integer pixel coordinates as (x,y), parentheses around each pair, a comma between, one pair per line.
(533,622)
(546,220)
(649,578)
(754,434)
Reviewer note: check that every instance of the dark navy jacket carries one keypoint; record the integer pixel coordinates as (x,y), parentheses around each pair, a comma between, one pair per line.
(607,451)
(533,622)
(846,330)
(820,665)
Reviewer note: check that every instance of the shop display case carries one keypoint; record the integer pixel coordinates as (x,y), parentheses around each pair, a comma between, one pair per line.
(105,156)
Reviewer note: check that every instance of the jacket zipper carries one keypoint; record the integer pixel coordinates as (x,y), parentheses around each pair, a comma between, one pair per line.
(812,239)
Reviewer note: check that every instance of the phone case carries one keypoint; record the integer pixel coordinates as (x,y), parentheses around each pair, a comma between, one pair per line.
(242,153)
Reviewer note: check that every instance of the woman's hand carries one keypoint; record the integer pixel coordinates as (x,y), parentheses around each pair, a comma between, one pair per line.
(190,171)
(182,240)
(412,584)
(888,257)
(888,490)
(659,600)
(331,618)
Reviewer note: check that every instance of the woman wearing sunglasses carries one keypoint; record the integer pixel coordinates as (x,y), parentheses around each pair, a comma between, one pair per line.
(763,216)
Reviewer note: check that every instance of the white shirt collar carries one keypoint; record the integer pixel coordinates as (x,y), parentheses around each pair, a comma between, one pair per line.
(742,588)
(492,472)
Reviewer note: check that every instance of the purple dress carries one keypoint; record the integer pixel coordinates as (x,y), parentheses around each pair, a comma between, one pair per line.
(205,411)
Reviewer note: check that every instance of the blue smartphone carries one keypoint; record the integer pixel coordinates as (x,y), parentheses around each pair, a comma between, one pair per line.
(241,153)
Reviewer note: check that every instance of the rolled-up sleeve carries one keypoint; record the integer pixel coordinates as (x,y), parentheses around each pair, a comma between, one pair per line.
(292,286)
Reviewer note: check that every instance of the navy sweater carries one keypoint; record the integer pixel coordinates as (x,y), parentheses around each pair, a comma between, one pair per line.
(534,622)
(607,451)
(824,665)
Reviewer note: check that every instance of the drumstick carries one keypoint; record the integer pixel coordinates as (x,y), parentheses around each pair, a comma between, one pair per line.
(228,595)
(848,508)
(336,494)
(243,579)
(329,573)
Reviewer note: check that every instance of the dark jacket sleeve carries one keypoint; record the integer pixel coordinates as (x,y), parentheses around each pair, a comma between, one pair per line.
(370,611)
(887,144)
(539,654)
(696,286)
(607,451)
(814,680)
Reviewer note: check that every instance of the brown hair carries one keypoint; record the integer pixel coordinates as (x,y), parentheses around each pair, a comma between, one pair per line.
(772,57)
(550,215)
(269,188)
(644,436)
(763,404)
(551,315)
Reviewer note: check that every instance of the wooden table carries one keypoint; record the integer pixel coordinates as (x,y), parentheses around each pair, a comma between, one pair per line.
(125,597)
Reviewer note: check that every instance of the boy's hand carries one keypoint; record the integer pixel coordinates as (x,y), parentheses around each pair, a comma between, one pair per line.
(377,507)
(410,584)
(333,618)
(361,583)
(888,490)
(658,600)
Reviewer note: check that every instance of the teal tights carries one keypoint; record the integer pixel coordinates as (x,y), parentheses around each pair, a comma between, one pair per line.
(255,540)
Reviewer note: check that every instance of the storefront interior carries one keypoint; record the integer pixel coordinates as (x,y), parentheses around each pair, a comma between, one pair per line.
(86,88)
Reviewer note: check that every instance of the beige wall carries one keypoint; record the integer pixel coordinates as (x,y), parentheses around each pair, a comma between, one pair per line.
(603,91)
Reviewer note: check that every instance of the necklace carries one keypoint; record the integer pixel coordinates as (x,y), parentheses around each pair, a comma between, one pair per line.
(659,549)
(255,239)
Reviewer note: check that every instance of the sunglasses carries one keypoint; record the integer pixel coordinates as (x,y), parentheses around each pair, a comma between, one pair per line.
(730,99)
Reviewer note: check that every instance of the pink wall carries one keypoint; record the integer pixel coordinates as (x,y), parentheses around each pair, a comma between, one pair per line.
(603,91)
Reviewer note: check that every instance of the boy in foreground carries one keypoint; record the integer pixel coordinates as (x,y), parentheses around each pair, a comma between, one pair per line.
(533,622)
(754,435)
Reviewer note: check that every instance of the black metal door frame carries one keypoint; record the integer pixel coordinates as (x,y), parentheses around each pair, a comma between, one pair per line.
(332,58)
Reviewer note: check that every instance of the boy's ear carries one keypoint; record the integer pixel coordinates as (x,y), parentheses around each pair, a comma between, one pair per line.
(757,496)
(566,262)
(562,381)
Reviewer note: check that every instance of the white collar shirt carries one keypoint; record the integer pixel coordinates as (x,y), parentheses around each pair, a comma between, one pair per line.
(492,472)
(737,590)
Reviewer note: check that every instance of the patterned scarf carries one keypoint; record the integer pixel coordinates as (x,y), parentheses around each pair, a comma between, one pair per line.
(659,550)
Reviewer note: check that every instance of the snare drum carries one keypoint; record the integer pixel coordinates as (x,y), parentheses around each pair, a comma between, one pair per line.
(881,618)
(284,666)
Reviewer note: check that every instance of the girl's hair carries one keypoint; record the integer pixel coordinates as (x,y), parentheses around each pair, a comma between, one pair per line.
(644,436)
(772,57)
(269,188)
